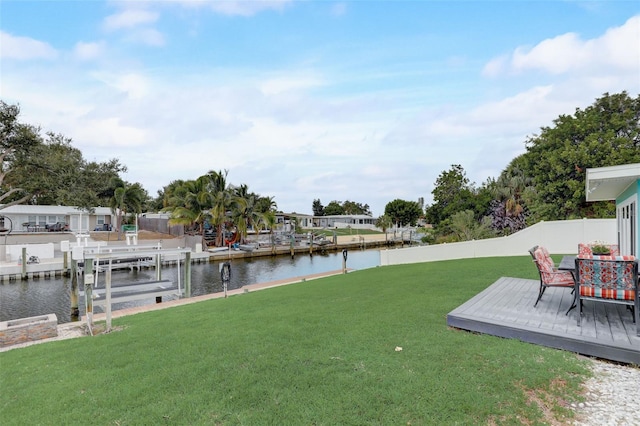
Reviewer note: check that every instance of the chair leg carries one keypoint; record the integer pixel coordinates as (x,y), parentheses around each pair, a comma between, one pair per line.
(579,313)
(540,293)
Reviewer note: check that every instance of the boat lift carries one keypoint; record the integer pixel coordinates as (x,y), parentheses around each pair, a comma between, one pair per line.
(95,261)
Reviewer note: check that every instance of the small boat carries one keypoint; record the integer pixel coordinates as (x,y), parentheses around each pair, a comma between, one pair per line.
(217,249)
(246,247)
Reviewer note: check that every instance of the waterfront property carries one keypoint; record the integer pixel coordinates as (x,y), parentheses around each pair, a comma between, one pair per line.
(36,218)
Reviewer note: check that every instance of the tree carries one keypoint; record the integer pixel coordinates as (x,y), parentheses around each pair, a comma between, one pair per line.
(17,142)
(333,208)
(190,204)
(403,212)
(38,171)
(384,222)
(351,207)
(606,133)
(318,208)
(452,193)
(465,227)
(511,191)
(127,198)
(269,219)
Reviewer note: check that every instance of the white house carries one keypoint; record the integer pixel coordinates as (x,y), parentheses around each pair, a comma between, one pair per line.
(360,221)
(29,218)
(622,184)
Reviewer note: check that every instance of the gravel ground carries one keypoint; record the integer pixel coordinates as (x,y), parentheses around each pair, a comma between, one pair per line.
(612,396)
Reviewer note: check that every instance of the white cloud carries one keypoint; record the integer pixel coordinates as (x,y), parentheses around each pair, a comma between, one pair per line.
(618,48)
(129,18)
(281,84)
(245,7)
(87,51)
(147,36)
(24,48)
(133,85)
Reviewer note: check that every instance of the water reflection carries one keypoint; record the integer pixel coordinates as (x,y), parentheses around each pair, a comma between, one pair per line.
(20,299)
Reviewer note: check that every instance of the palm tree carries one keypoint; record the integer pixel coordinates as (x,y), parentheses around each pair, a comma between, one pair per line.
(222,201)
(269,220)
(384,222)
(190,204)
(127,198)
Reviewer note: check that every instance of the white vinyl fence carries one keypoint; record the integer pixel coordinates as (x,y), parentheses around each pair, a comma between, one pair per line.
(559,237)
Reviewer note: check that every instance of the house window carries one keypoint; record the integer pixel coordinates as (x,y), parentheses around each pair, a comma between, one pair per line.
(100,220)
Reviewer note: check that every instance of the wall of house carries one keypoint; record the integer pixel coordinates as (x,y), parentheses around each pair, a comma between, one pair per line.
(559,237)
(633,190)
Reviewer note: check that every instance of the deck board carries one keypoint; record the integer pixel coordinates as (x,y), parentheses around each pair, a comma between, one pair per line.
(506,309)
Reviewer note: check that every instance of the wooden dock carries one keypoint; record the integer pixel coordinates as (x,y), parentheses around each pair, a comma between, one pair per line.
(505,309)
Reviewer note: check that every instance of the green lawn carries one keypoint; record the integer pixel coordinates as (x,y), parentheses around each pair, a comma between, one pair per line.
(320,352)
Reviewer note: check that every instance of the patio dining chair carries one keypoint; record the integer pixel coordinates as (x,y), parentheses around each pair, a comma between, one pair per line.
(550,276)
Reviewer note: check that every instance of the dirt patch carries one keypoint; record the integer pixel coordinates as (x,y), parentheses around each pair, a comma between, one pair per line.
(142,235)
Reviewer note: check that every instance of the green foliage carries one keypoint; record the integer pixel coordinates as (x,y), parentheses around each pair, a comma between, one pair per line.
(320,352)
(402,212)
(465,226)
(452,193)
(606,133)
(48,171)
(384,222)
(340,208)
(333,208)
(317,208)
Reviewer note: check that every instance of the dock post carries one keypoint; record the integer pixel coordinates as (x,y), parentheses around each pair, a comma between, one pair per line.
(88,291)
(187,274)
(108,296)
(75,310)
(158,268)
(23,264)
(293,239)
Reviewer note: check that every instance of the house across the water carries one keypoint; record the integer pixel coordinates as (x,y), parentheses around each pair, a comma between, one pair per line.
(35,218)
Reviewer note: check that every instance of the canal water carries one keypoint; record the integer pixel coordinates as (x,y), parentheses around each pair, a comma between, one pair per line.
(21,299)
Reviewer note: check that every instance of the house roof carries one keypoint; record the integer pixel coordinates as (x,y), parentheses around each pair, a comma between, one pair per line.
(606,183)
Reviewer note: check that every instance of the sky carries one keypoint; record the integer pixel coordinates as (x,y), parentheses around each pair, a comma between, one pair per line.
(366,101)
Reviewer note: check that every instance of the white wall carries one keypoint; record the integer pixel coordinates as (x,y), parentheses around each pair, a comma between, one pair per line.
(559,237)
(14,252)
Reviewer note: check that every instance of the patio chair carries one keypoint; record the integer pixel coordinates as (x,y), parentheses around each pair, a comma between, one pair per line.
(612,279)
(550,276)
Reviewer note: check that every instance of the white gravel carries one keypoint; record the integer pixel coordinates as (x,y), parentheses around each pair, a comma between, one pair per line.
(612,396)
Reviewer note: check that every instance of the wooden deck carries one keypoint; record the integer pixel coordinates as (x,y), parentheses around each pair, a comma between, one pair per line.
(506,309)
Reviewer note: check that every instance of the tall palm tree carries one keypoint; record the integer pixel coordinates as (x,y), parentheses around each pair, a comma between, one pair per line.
(269,220)
(127,198)
(384,222)
(190,204)
(222,201)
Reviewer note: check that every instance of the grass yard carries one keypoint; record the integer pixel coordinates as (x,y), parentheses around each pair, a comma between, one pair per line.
(321,352)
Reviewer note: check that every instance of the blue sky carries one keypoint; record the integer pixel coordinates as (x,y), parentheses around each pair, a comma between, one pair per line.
(366,101)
